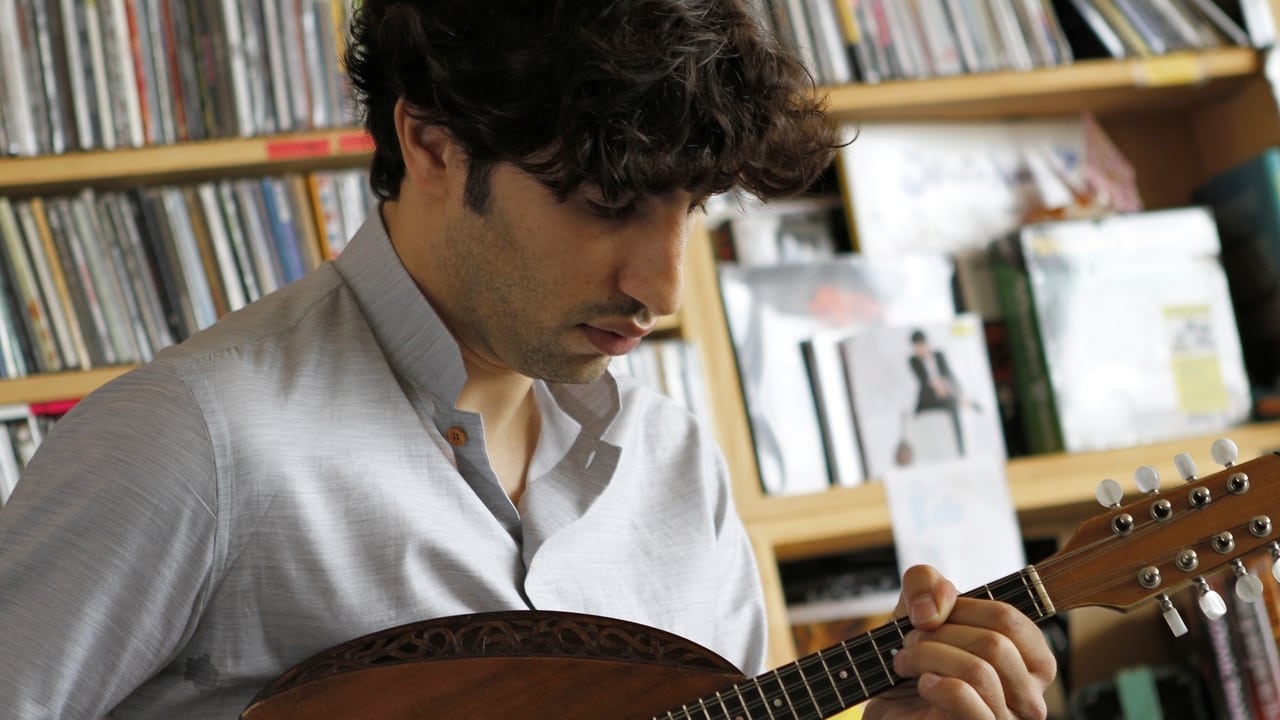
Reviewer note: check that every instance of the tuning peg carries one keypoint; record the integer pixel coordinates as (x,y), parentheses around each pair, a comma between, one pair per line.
(1186,466)
(1275,559)
(1148,479)
(1248,587)
(1211,602)
(1109,493)
(1171,616)
(1224,452)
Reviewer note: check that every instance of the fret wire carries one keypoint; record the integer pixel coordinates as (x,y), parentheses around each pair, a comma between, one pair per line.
(788,686)
(826,696)
(831,676)
(764,699)
(751,704)
(724,705)
(867,662)
(705,711)
(817,664)
(742,701)
(854,666)
(782,684)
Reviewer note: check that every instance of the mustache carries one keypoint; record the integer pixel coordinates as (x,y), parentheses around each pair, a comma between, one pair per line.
(627,307)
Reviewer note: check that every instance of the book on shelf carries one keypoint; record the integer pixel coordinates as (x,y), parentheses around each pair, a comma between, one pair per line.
(110,277)
(1245,201)
(90,74)
(771,310)
(875,40)
(22,428)
(1218,654)
(1122,331)
(824,361)
(1255,640)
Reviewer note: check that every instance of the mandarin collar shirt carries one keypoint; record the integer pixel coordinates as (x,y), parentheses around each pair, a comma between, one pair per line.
(298,475)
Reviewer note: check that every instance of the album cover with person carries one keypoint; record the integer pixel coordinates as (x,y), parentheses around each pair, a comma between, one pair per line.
(923,394)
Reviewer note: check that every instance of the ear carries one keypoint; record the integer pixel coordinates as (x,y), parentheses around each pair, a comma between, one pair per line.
(428,151)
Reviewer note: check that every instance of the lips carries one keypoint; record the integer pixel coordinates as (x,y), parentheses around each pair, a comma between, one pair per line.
(615,340)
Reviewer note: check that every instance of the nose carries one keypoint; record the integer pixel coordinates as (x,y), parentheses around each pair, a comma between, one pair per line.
(653,270)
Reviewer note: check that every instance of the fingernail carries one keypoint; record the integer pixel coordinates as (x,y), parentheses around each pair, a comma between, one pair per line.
(923,609)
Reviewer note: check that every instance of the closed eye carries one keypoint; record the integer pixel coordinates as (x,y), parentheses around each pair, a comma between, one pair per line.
(619,211)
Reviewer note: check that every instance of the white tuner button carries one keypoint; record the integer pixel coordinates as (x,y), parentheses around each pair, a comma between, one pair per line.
(1148,479)
(1224,452)
(1185,465)
(1109,493)
(1172,618)
(1211,602)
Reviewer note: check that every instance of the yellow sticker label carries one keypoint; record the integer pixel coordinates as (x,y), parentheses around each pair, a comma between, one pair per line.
(1180,69)
(1193,358)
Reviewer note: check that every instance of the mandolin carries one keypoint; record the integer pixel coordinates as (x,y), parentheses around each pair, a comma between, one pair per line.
(533,664)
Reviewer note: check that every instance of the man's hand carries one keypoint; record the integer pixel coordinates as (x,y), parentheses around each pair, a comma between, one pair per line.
(971,659)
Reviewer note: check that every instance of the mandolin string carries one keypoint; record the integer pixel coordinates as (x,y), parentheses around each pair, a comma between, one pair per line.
(1008,592)
(1011,592)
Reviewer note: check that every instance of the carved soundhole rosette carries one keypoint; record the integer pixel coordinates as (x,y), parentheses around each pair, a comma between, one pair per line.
(500,634)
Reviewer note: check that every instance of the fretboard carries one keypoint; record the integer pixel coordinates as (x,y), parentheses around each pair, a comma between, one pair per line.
(820,685)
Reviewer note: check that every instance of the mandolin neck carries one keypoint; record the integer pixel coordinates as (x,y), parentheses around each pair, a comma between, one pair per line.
(837,678)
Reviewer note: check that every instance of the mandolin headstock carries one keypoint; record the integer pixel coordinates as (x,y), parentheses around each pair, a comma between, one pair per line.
(1169,539)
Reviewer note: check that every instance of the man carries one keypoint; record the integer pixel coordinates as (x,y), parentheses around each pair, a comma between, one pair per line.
(938,388)
(425,427)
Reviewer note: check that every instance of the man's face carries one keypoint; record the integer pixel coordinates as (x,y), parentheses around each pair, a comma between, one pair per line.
(552,290)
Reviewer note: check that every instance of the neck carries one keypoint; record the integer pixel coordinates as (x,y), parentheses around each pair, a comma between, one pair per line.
(505,402)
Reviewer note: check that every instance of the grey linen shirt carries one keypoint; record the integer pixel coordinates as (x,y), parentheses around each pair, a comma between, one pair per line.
(281,483)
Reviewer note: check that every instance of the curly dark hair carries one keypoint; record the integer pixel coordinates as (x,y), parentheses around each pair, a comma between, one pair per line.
(625,96)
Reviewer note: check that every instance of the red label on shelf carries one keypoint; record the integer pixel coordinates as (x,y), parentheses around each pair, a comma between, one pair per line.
(297,149)
(54,407)
(355,142)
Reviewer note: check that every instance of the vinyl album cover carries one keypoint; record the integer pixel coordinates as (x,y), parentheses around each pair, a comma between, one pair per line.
(1124,332)
(923,394)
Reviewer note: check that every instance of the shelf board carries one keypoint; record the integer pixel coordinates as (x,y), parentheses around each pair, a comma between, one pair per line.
(1048,491)
(1103,86)
(191,159)
(57,386)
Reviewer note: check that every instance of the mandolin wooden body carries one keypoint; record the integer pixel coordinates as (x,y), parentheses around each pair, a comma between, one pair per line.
(522,664)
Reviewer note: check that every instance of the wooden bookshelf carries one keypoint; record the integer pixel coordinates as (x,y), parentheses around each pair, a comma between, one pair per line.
(162,163)
(57,386)
(1103,86)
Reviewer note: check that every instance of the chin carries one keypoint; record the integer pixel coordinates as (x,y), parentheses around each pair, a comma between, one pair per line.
(575,373)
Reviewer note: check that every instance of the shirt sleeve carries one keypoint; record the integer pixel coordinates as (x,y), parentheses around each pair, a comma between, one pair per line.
(742,617)
(106,549)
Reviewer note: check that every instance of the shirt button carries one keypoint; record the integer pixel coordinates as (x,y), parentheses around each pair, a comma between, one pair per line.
(456,436)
